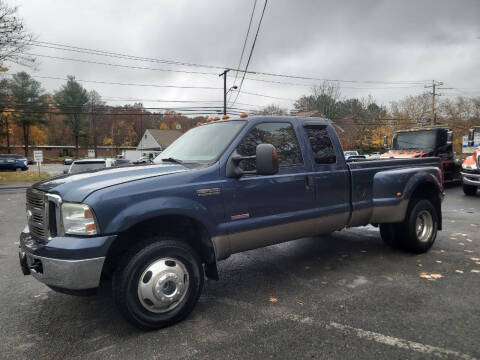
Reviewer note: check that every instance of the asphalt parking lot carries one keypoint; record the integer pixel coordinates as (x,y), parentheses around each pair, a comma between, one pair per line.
(344,296)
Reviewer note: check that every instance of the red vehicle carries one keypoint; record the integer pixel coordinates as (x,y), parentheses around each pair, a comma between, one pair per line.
(471,164)
(425,142)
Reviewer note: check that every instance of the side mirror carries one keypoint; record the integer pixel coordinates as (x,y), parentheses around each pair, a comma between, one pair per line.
(385,142)
(471,135)
(65,171)
(449,137)
(266,160)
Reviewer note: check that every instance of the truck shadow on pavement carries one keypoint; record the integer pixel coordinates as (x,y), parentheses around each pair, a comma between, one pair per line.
(302,270)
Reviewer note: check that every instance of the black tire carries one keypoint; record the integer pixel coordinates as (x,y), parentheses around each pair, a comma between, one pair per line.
(469,190)
(408,229)
(403,236)
(133,265)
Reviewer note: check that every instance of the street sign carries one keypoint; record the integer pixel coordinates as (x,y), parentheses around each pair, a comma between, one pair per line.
(91,153)
(38,156)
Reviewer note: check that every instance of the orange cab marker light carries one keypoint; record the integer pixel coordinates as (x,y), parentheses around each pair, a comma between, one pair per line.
(399,194)
(216,118)
(243,115)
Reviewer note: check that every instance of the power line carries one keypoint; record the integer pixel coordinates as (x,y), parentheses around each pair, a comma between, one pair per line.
(341,121)
(244,45)
(175,62)
(267,96)
(128,84)
(122,66)
(251,51)
(340,86)
(182,113)
(116,98)
(83,50)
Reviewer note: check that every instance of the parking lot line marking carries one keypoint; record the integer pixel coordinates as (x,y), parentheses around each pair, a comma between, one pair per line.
(400,343)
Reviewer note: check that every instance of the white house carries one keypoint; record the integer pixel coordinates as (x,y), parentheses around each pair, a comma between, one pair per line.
(157,140)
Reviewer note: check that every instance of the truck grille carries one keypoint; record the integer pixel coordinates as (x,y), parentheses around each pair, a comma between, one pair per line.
(36,205)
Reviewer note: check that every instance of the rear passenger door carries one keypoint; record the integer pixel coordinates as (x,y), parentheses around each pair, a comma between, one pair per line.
(330,178)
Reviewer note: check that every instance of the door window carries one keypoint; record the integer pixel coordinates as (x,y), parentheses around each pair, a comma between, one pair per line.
(280,135)
(321,144)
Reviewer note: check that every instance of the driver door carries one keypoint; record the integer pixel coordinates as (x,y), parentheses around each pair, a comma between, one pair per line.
(260,209)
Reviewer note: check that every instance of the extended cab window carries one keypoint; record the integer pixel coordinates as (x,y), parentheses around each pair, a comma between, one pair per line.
(280,135)
(321,144)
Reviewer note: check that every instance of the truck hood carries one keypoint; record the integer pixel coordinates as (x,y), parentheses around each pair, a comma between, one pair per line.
(76,187)
(405,154)
(470,162)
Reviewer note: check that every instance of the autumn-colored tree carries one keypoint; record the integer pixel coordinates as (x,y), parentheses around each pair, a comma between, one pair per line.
(71,99)
(29,102)
(6,128)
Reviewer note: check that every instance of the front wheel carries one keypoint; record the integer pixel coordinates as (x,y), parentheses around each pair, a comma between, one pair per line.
(469,190)
(158,283)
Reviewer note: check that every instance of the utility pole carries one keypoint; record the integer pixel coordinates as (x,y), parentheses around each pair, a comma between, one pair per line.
(434,86)
(224,74)
(94,124)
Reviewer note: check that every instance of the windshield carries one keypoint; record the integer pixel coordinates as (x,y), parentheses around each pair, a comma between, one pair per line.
(414,140)
(85,166)
(203,144)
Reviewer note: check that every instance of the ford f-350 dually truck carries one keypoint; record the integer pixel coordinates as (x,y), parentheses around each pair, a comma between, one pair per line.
(223,187)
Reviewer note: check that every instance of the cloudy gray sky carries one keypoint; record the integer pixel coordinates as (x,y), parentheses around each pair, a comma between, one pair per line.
(368,40)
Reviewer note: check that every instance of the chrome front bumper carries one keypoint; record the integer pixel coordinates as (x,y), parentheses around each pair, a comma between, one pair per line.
(43,263)
(471,179)
(65,274)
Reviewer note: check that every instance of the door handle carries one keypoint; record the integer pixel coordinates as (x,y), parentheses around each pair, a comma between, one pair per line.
(309,182)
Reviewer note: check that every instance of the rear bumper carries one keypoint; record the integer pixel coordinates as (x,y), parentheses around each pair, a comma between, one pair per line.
(69,267)
(471,179)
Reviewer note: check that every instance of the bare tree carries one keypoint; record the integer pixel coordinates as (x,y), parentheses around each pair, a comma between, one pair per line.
(413,108)
(324,100)
(272,109)
(14,39)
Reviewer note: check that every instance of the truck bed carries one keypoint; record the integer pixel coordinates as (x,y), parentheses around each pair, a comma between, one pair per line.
(378,186)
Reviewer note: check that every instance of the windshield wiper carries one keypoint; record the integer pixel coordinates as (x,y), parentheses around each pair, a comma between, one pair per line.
(173,160)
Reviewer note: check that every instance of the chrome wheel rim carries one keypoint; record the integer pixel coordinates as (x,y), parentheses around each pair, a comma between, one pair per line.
(163,285)
(424,226)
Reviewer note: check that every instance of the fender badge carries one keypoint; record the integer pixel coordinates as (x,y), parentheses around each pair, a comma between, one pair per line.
(208,192)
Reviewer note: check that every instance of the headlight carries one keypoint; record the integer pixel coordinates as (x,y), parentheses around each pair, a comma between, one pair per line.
(469,166)
(78,219)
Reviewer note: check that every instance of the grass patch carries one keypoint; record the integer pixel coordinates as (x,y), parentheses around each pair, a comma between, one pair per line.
(23,177)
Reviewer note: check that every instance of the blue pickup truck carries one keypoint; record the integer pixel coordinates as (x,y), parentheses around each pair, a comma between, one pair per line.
(225,187)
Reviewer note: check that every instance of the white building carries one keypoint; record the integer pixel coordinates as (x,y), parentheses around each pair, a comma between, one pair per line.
(158,140)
